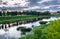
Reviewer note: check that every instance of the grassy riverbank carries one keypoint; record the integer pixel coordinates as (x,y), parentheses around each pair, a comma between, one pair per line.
(15,18)
(8,19)
(5,19)
(50,31)
(12,16)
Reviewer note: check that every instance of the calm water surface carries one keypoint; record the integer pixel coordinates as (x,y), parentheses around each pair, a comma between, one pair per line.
(12,33)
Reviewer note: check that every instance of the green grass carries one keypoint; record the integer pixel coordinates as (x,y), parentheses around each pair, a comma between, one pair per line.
(8,19)
(15,18)
(56,15)
(50,31)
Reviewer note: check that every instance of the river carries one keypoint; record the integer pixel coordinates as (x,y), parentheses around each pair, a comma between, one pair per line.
(12,32)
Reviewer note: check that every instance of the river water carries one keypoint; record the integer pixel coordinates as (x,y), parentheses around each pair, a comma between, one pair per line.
(12,32)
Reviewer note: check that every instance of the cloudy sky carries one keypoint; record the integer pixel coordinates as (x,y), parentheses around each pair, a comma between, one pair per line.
(31,4)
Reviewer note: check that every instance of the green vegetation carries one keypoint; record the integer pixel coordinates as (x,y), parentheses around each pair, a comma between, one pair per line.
(50,31)
(8,19)
(5,19)
(24,13)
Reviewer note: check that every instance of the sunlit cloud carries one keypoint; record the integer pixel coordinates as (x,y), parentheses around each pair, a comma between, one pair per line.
(45,7)
(42,1)
(32,4)
(13,3)
(30,8)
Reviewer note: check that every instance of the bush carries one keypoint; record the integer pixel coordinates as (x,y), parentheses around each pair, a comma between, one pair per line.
(51,31)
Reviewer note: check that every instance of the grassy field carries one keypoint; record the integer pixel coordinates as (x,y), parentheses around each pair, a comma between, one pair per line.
(50,31)
(6,19)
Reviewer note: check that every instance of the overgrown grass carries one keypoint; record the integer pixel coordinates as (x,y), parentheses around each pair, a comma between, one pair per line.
(15,18)
(50,31)
(5,19)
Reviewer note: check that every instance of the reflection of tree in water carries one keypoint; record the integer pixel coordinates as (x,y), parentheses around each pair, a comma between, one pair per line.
(24,30)
(6,36)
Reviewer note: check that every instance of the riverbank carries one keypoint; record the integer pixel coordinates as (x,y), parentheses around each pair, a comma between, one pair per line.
(12,21)
(13,33)
(9,19)
(50,31)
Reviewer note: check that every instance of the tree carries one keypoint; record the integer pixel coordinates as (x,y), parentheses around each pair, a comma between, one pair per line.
(47,13)
(0,13)
(58,11)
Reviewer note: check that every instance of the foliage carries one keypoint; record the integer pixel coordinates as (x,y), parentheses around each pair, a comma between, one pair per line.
(0,14)
(36,13)
(28,37)
(5,19)
(24,13)
(50,31)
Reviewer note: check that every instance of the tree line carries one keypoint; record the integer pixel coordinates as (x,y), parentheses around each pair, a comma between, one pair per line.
(24,13)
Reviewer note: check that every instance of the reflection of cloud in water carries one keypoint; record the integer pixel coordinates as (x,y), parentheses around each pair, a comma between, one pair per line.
(13,33)
(50,19)
(53,18)
(36,23)
(30,24)
(2,32)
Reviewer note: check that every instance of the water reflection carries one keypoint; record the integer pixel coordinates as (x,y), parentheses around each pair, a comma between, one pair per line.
(12,32)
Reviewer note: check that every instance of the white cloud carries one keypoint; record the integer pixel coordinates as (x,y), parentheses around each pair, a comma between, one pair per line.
(50,6)
(30,8)
(58,6)
(45,7)
(42,1)
(41,7)
(13,3)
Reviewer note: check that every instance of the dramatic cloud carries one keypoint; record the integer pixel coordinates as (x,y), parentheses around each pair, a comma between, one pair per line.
(42,1)
(13,3)
(30,8)
(31,4)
